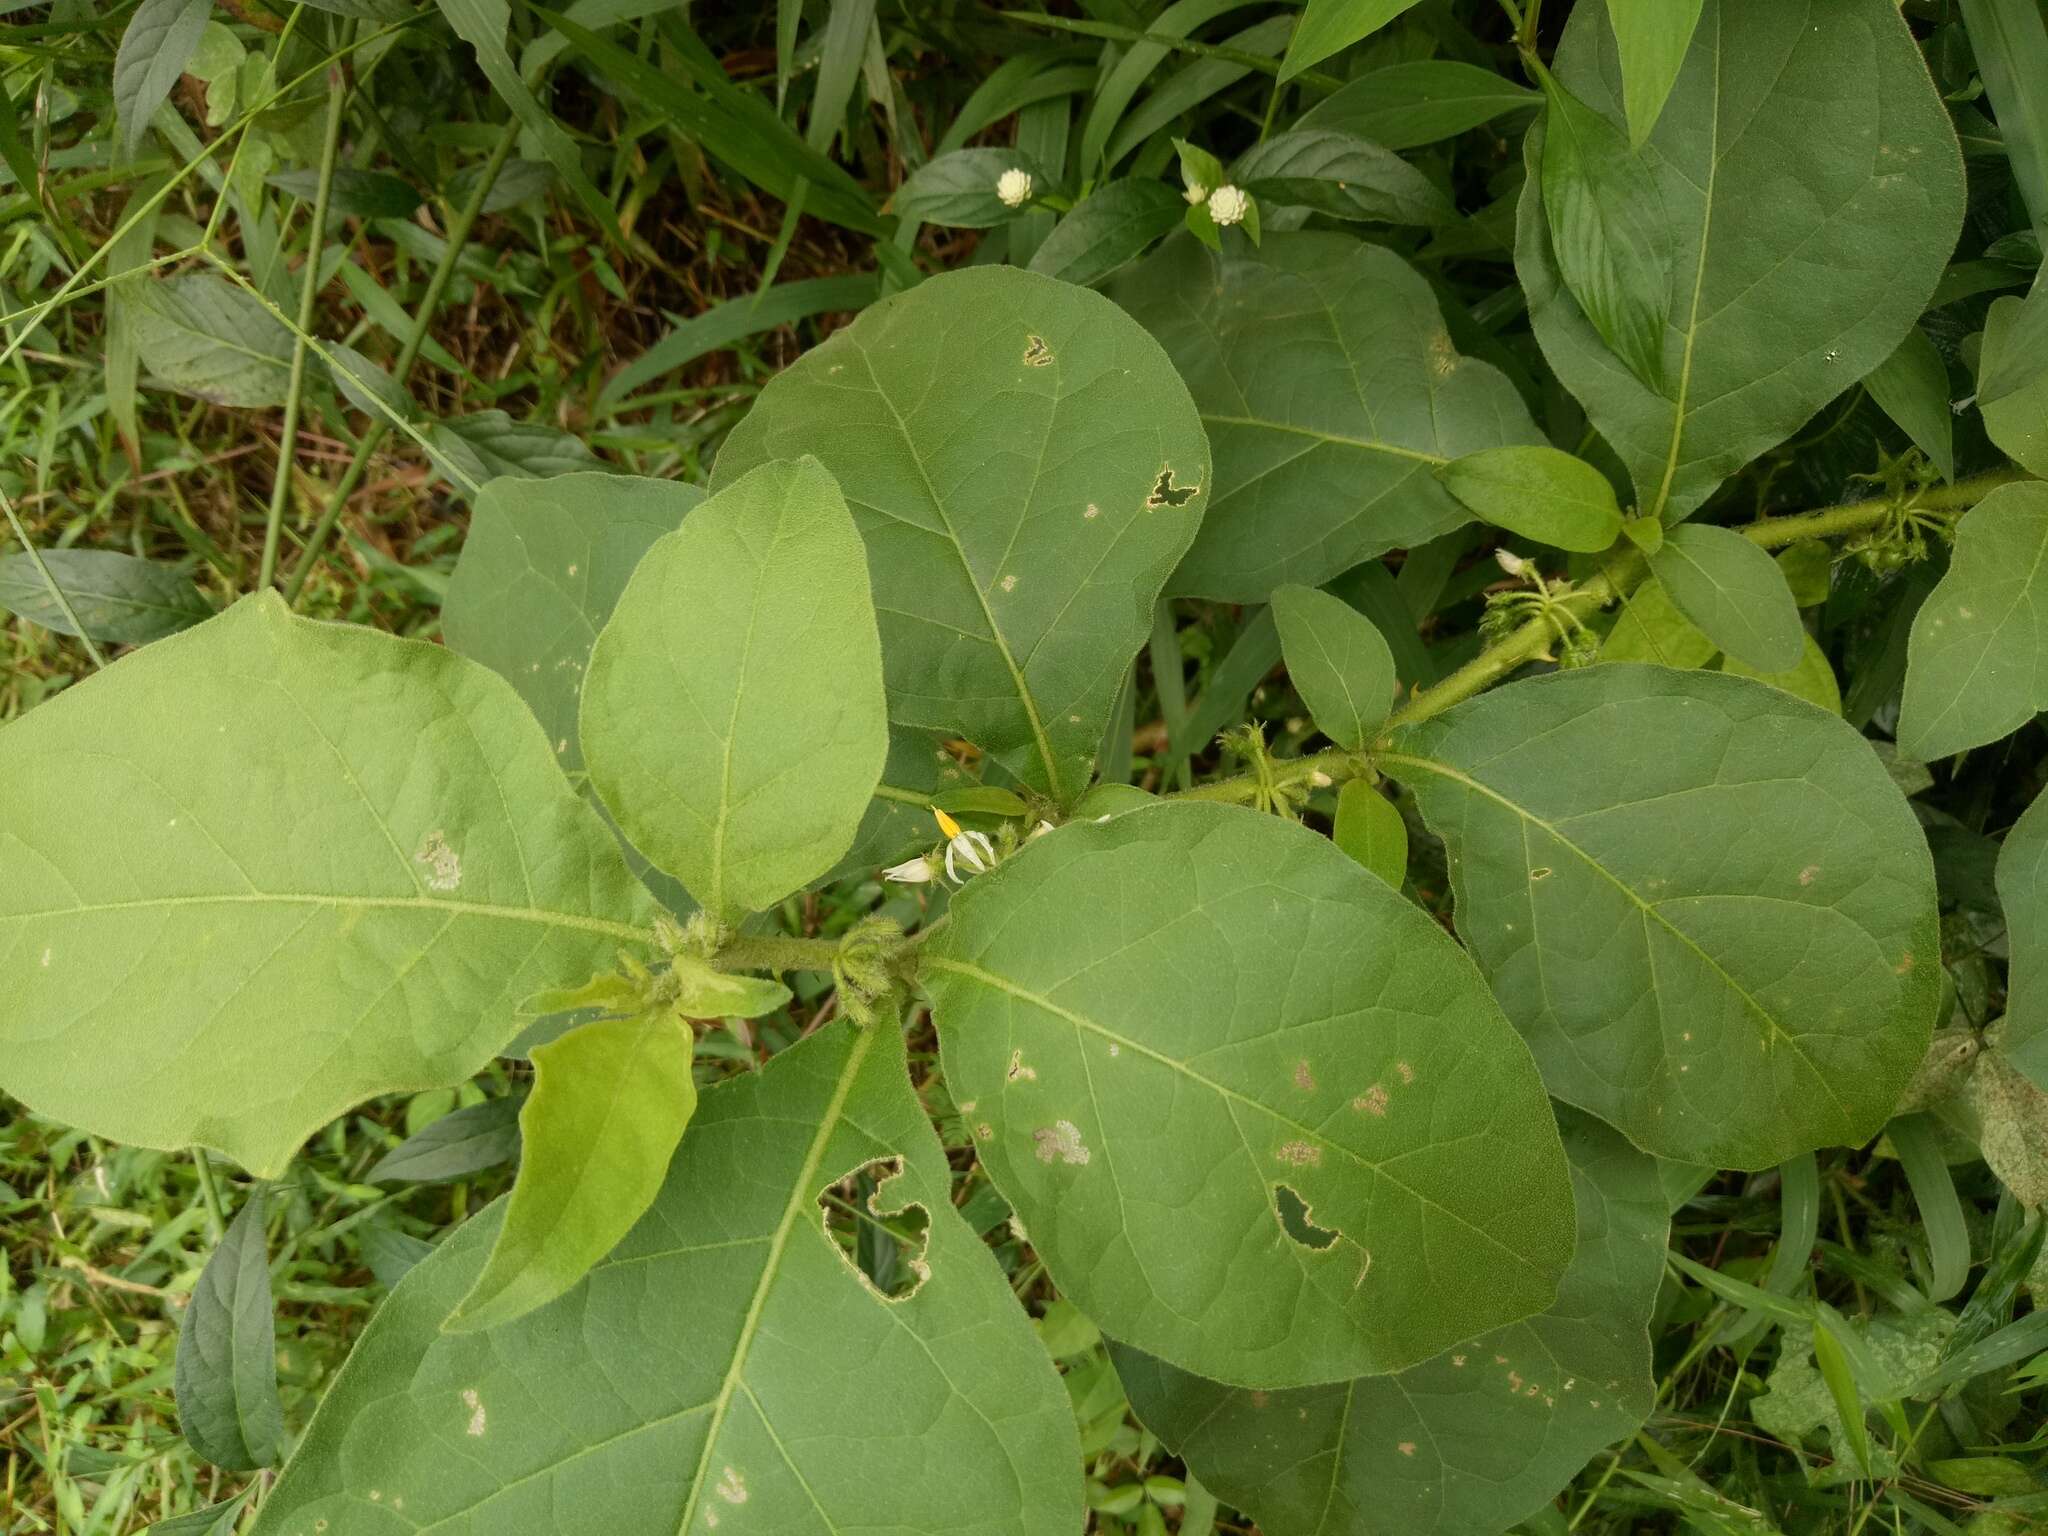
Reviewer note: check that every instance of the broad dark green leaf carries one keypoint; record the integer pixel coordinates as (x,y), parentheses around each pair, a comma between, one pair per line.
(2017,420)
(1540,493)
(214,1520)
(960,190)
(269,867)
(1255,1110)
(1977,663)
(726,1360)
(1733,590)
(367,194)
(1811,678)
(1371,830)
(155,47)
(1331,392)
(1338,660)
(2023,893)
(734,719)
(1652,629)
(460,1143)
(609,1103)
(486,445)
(1471,1441)
(519,181)
(1026,469)
(1703,902)
(1107,228)
(1911,387)
(1403,106)
(1327,26)
(1608,229)
(540,573)
(203,336)
(1337,173)
(1786,288)
(117,597)
(228,1408)
(2010,41)
(1652,37)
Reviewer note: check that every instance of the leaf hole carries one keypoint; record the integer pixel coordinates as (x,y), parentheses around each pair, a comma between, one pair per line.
(1295,1221)
(1036,353)
(882,1243)
(1166,494)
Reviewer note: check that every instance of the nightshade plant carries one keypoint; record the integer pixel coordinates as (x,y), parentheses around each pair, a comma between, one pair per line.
(1374,1213)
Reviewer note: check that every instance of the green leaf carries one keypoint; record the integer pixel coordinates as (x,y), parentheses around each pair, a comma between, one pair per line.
(486,445)
(1327,26)
(154,50)
(203,336)
(1809,567)
(2010,41)
(2017,420)
(1609,231)
(1471,1441)
(734,720)
(1254,1109)
(609,1103)
(726,1359)
(1107,228)
(540,573)
(1540,493)
(1404,106)
(1703,902)
(366,194)
(1652,37)
(1198,169)
(1733,590)
(1911,387)
(958,190)
(116,597)
(460,1143)
(2023,893)
(228,1408)
(1977,661)
(1813,679)
(1331,392)
(270,867)
(2012,1121)
(214,1520)
(1338,660)
(1372,831)
(1337,173)
(1020,520)
(1786,290)
(367,387)
(1652,629)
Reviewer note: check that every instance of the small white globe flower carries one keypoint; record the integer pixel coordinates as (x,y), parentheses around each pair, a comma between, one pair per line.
(970,849)
(1196,193)
(915,871)
(1228,205)
(1510,562)
(1013,187)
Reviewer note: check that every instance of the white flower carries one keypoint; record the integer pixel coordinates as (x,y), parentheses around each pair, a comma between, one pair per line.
(911,871)
(1041,829)
(972,849)
(1227,205)
(1013,187)
(1196,192)
(1512,563)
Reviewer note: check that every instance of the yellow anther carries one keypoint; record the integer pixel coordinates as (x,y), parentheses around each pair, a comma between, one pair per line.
(947,824)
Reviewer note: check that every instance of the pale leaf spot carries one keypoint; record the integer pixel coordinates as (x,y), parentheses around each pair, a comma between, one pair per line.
(1060,1142)
(475,1405)
(1407,1072)
(1009,583)
(1304,1077)
(443,865)
(1406,1447)
(1809,874)
(1372,1102)
(732,1487)
(1300,1154)
(1019,1073)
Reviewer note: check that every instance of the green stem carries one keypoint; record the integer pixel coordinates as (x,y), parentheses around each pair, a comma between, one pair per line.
(309,293)
(416,337)
(776,952)
(209,1193)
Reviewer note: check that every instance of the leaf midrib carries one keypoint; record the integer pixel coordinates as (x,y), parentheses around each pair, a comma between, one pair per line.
(580,921)
(1649,911)
(1339,439)
(1699,282)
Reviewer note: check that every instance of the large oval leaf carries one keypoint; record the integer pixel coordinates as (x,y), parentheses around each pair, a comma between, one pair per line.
(1256,1111)
(541,571)
(262,870)
(1026,468)
(2023,893)
(1702,901)
(1794,274)
(734,720)
(1465,1444)
(726,1369)
(1331,392)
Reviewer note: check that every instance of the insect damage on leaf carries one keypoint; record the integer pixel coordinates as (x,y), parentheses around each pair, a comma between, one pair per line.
(883,1244)
(1166,494)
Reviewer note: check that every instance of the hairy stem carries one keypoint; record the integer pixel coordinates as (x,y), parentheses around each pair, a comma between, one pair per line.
(415,338)
(776,952)
(309,292)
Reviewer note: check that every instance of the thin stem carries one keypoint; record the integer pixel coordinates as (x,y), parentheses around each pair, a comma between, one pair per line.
(776,952)
(422,322)
(50,583)
(209,1192)
(309,293)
